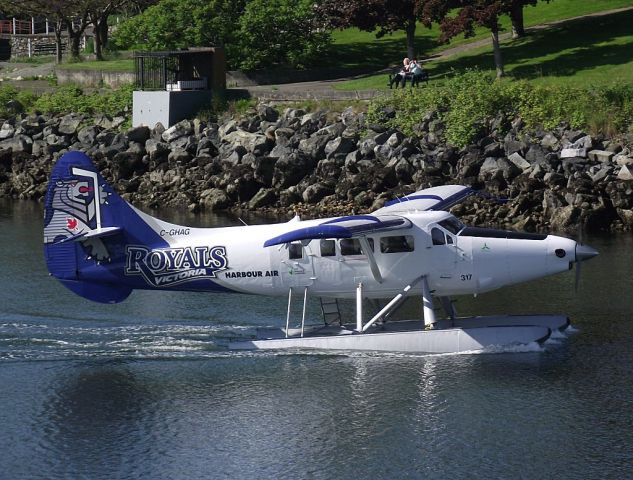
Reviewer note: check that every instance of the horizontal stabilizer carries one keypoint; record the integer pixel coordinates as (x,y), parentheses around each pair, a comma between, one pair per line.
(343,227)
(96,233)
(434,198)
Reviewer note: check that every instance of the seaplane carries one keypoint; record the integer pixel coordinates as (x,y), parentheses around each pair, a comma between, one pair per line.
(102,248)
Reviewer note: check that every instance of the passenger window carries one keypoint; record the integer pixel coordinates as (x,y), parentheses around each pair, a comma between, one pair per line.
(396,244)
(328,248)
(350,246)
(295,251)
(438,237)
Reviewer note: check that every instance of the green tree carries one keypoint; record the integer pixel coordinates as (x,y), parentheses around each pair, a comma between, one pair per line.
(280,32)
(383,16)
(172,24)
(485,13)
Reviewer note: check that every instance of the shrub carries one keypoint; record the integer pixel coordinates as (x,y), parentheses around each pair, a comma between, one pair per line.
(70,98)
(468,102)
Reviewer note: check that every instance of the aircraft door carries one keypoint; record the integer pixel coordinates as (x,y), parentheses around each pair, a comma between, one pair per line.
(452,259)
(327,265)
(296,268)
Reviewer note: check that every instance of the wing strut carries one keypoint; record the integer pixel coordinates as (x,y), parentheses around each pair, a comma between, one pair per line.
(375,271)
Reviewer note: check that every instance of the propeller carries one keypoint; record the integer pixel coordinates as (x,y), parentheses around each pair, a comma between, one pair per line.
(583,252)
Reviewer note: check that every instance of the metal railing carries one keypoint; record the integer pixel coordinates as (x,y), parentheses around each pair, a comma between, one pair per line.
(33,26)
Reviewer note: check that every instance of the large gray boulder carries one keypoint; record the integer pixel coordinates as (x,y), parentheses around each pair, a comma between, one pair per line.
(69,124)
(314,147)
(6,131)
(178,130)
(19,143)
(253,142)
(339,145)
(138,134)
(498,167)
(264,198)
(214,199)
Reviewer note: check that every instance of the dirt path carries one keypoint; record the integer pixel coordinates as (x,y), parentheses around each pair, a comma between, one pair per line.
(449,52)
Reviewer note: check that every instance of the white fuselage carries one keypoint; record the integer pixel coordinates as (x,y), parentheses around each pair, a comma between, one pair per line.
(454,264)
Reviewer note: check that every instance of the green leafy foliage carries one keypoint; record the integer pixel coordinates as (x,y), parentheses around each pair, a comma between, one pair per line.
(67,99)
(255,33)
(280,32)
(467,103)
(174,24)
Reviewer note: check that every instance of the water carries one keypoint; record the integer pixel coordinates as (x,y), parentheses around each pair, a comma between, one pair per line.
(146,390)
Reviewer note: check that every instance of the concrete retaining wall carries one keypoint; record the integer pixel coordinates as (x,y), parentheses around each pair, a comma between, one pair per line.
(94,78)
(238,78)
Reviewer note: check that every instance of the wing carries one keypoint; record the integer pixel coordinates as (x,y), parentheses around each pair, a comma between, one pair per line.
(343,227)
(434,198)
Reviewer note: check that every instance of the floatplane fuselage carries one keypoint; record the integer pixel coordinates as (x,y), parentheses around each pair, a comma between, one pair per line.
(102,248)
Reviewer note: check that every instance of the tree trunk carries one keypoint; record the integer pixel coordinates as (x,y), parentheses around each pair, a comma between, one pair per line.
(74,40)
(102,31)
(497,52)
(58,42)
(74,36)
(410,29)
(516,15)
(97,43)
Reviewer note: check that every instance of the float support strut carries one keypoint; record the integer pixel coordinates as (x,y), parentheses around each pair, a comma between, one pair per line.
(449,307)
(427,304)
(303,314)
(288,314)
(392,304)
(359,307)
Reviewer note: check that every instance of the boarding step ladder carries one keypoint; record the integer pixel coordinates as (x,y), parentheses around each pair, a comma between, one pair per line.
(331,311)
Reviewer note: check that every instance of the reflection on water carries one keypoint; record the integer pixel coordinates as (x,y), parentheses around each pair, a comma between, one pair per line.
(145,389)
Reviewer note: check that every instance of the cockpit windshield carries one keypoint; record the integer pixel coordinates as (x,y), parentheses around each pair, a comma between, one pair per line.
(452,225)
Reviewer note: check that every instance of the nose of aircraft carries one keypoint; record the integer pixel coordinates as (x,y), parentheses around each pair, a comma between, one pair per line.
(584,252)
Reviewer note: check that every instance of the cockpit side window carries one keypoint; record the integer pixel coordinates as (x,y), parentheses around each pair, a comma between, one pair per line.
(438,236)
(452,225)
(295,251)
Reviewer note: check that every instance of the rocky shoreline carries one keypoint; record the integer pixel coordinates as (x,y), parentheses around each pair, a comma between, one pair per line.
(326,163)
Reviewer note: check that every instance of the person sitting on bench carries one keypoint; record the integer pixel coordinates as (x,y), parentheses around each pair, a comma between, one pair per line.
(418,74)
(401,76)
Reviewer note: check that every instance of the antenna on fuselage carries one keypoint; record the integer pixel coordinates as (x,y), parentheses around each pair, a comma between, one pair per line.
(245,224)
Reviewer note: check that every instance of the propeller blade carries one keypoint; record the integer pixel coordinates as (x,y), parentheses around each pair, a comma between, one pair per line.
(583,253)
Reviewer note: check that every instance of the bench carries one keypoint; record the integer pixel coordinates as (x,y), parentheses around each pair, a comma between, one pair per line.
(46,48)
(409,77)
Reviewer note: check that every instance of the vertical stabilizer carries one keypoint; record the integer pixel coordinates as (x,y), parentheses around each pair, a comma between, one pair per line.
(86,226)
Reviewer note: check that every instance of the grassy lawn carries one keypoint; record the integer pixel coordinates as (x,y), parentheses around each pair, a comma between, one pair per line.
(355,49)
(115,65)
(581,52)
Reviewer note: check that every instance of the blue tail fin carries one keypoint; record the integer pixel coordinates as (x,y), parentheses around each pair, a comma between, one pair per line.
(86,227)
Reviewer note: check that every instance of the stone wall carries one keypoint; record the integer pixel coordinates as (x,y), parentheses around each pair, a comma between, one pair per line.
(326,163)
(26,45)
